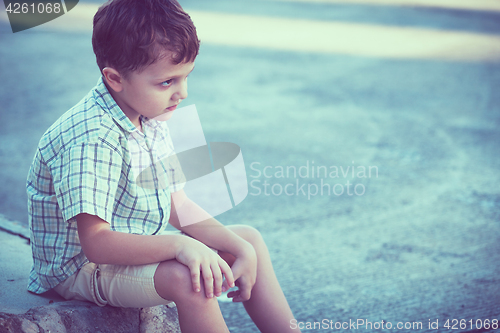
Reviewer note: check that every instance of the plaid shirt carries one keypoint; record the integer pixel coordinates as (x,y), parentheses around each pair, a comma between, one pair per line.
(89,161)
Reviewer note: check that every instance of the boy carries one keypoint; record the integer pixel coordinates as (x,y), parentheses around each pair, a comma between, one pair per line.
(99,236)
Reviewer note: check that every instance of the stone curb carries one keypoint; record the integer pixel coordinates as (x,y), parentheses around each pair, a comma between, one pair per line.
(70,316)
(14,228)
(83,317)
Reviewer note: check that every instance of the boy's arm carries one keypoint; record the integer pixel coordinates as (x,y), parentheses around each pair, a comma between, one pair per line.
(214,234)
(104,246)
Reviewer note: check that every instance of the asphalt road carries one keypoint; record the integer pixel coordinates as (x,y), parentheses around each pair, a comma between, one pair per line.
(415,240)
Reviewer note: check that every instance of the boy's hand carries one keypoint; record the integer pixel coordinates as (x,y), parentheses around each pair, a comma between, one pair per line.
(199,257)
(245,273)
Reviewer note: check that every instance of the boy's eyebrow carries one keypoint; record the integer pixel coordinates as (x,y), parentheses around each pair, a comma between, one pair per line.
(174,76)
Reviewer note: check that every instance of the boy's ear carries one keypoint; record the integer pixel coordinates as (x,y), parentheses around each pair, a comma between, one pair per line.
(113,78)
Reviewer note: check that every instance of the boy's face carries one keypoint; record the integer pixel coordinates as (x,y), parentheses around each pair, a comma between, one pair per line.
(155,91)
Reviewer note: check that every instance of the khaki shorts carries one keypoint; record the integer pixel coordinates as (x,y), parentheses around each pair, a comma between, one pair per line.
(120,286)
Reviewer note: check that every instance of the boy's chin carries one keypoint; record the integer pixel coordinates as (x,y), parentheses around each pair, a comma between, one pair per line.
(164,116)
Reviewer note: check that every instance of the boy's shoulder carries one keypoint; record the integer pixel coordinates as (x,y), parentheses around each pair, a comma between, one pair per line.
(96,119)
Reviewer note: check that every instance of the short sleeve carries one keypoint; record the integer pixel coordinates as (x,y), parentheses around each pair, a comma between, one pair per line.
(86,180)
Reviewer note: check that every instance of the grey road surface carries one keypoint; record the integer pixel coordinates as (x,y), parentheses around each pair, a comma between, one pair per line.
(373,179)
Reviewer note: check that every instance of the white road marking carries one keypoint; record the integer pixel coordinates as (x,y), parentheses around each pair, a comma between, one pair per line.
(302,35)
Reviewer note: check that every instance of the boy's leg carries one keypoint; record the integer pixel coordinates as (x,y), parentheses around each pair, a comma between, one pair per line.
(267,306)
(197,313)
(145,286)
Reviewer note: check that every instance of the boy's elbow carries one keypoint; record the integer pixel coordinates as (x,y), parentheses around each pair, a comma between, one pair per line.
(93,254)
(95,247)
(94,257)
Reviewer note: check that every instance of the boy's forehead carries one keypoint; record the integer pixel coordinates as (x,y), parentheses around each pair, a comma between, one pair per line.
(164,66)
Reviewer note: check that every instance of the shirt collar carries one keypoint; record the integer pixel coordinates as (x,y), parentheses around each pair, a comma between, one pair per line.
(108,104)
(152,123)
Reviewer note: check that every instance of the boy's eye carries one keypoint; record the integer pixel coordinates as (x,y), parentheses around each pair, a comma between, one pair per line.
(166,83)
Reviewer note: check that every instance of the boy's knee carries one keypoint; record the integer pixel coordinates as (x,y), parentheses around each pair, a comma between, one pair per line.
(173,282)
(171,279)
(175,271)
(250,234)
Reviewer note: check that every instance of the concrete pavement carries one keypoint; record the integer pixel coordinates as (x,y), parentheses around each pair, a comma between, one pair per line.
(15,264)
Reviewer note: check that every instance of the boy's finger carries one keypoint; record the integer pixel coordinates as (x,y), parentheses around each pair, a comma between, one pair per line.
(228,273)
(195,278)
(245,295)
(233,293)
(241,297)
(244,292)
(208,280)
(217,274)
(225,286)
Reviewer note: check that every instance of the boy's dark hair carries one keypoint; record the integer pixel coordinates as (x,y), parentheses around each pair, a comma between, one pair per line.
(131,34)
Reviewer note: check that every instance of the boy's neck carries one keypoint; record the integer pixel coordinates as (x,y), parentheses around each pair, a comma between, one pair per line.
(133,116)
(136,121)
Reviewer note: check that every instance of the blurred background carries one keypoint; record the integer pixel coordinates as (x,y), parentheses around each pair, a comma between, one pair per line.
(369,130)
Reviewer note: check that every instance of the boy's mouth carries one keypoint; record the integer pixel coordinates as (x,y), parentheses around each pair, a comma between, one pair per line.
(172,108)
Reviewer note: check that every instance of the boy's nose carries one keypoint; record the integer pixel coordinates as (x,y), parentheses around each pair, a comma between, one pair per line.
(181,93)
